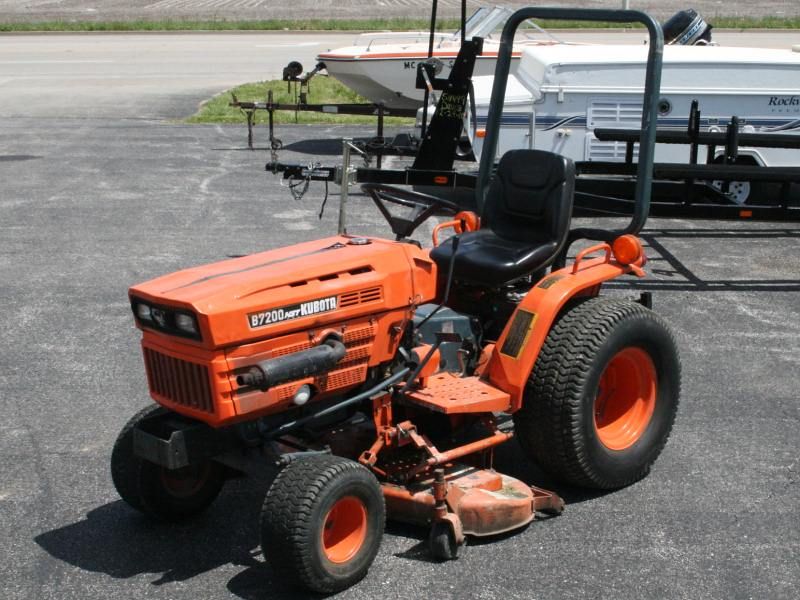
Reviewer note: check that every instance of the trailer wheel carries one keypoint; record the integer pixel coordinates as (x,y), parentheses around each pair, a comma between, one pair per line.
(748,192)
(602,397)
(322,522)
(161,493)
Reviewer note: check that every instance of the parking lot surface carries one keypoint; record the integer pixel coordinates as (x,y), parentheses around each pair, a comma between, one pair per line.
(91,206)
(102,188)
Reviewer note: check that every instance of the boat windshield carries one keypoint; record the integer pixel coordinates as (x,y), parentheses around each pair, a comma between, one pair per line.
(485,20)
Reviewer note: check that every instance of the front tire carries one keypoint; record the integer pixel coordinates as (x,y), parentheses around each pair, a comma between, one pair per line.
(160,493)
(602,397)
(322,522)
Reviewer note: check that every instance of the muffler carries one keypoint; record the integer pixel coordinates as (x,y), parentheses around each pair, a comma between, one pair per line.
(306,363)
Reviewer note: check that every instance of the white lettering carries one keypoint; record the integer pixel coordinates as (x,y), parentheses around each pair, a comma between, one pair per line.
(304,309)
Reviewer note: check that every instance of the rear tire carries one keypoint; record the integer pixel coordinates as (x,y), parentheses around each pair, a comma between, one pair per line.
(322,522)
(160,493)
(602,397)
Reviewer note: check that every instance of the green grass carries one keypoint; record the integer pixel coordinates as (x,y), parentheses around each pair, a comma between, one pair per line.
(223,25)
(349,24)
(321,90)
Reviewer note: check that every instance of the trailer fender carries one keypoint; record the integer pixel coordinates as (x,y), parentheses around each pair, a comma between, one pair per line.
(750,156)
(518,346)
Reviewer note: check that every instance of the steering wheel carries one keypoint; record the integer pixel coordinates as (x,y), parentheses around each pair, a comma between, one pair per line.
(422,207)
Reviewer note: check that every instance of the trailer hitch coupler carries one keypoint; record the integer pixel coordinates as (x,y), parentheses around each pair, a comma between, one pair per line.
(306,363)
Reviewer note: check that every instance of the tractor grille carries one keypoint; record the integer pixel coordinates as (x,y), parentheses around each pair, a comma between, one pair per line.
(178,381)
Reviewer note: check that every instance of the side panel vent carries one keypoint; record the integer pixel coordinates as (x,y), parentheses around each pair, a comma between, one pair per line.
(608,151)
(614,113)
(360,297)
(611,113)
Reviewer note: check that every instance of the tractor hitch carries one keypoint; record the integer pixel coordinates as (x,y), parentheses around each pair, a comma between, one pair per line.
(174,442)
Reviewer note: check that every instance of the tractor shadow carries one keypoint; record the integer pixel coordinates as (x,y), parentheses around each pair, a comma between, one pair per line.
(509,459)
(115,540)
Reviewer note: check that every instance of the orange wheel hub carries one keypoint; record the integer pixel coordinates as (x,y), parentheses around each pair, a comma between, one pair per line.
(345,529)
(186,481)
(626,398)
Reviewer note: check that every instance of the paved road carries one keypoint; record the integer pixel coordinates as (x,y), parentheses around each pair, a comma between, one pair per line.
(167,75)
(94,199)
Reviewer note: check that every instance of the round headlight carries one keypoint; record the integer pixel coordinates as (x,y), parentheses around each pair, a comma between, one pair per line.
(186,323)
(143,312)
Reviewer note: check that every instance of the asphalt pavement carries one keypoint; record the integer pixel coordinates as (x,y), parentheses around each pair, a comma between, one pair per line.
(167,75)
(91,204)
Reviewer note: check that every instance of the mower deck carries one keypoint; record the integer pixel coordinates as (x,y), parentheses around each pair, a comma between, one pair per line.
(478,502)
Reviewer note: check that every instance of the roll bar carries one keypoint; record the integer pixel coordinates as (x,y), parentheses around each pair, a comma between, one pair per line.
(652,87)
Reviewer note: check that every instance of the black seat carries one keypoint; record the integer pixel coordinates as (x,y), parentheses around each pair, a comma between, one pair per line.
(524,224)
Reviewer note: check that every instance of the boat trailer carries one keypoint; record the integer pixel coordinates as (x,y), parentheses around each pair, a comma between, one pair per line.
(378,146)
(693,190)
(680,190)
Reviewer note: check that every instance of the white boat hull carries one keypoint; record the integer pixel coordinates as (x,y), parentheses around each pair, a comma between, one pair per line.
(391,77)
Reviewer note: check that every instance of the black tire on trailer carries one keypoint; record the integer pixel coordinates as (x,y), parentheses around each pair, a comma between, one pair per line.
(749,193)
(322,522)
(602,397)
(161,493)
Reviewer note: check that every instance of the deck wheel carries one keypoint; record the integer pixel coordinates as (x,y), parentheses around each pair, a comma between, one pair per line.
(442,541)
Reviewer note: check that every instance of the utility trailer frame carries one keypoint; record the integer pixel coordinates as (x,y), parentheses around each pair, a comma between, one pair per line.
(293,74)
(377,145)
(436,153)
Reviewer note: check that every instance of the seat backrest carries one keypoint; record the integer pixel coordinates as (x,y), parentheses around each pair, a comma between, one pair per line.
(530,197)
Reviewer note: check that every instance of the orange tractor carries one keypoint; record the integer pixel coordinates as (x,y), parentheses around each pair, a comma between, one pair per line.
(380,376)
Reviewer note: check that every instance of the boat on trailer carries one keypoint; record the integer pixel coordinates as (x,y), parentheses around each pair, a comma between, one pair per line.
(560,95)
(382,67)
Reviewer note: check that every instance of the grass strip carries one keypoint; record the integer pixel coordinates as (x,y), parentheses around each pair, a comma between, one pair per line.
(772,22)
(321,90)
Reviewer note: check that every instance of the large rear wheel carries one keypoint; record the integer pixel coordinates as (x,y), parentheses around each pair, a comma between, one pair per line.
(602,397)
(322,522)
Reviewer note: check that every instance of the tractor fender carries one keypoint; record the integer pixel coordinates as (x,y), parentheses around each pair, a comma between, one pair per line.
(518,346)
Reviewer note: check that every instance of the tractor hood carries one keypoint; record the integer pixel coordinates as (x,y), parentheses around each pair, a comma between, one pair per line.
(279,291)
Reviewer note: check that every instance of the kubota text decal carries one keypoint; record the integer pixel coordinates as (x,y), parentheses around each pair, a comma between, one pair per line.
(295,311)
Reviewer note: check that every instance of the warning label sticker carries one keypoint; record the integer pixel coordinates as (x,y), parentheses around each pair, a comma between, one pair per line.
(518,334)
